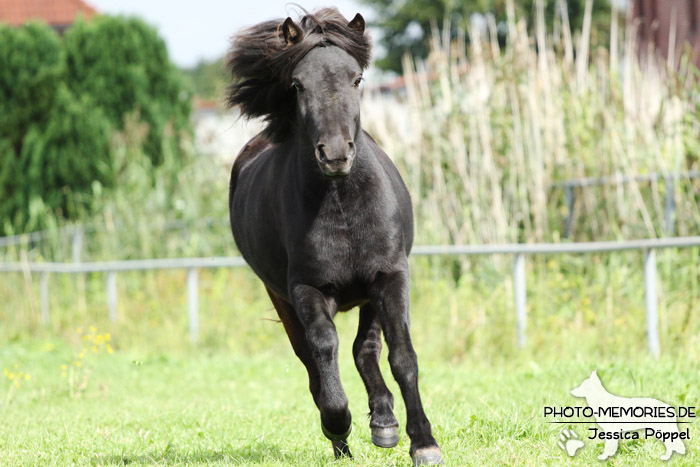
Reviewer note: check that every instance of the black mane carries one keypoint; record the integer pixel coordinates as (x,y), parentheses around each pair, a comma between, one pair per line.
(261,63)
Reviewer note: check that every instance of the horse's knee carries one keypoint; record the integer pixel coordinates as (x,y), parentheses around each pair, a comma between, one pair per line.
(322,339)
(366,350)
(404,364)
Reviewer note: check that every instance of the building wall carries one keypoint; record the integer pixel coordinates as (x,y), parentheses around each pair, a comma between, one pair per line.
(654,20)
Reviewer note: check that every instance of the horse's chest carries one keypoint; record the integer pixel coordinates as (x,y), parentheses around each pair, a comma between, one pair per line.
(349,241)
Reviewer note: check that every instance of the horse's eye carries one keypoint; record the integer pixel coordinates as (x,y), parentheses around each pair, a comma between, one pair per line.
(357,81)
(297,86)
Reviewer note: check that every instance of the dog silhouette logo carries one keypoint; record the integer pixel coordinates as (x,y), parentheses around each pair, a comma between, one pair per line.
(628,417)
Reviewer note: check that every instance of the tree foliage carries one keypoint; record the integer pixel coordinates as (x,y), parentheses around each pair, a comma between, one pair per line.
(406,24)
(61,101)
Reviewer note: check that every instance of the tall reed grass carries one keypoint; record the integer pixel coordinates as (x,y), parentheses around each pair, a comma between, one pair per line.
(484,133)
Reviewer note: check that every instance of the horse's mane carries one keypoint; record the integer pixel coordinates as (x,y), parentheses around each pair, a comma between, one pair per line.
(261,64)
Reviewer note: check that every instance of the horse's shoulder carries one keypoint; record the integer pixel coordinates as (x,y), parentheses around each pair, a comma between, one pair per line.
(372,142)
(388,165)
(378,151)
(398,188)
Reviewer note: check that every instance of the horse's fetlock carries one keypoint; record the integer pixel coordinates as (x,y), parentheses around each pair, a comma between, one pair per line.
(336,417)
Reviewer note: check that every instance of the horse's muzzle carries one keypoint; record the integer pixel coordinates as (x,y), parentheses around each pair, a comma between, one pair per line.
(335,160)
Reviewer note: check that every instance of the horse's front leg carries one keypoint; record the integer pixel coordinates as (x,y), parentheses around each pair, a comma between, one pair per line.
(315,311)
(390,295)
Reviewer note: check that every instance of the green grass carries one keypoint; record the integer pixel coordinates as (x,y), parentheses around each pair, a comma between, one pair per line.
(240,396)
(201,408)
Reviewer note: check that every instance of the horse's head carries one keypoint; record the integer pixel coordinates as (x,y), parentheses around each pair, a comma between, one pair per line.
(326,86)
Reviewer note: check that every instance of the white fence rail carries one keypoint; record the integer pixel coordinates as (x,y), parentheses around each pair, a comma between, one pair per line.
(518,251)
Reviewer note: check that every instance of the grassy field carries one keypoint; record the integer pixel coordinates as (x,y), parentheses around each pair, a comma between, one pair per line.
(144,395)
(202,408)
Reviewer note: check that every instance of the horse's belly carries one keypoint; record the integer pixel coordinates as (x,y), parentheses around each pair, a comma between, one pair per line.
(259,243)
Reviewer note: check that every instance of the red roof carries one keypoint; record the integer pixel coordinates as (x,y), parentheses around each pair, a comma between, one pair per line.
(54,12)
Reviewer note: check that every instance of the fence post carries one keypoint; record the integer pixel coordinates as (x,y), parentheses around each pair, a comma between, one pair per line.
(112,295)
(193,304)
(570,199)
(77,244)
(670,206)
(44,295)
(519,290)
(651,301)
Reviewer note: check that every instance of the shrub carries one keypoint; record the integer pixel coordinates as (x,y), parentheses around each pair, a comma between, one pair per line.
(62,101)
(31,68)
(122,65)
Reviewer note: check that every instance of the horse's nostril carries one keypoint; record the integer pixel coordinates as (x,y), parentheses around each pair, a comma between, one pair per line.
(320,152)
(351,149)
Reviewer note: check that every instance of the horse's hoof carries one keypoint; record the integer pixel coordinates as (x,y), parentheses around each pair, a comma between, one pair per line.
(385,437)
(341,449)
(427,456)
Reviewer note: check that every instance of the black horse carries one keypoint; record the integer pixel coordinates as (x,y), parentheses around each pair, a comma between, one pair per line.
(322,216)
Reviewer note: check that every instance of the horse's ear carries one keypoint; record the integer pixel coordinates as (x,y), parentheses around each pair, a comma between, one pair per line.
(357,24)
(292,32)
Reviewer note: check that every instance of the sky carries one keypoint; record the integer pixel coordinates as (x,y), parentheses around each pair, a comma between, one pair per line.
(200,30)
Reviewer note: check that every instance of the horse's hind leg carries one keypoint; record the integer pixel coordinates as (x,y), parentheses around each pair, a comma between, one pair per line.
(390,295)
(296,333)
(366,350)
